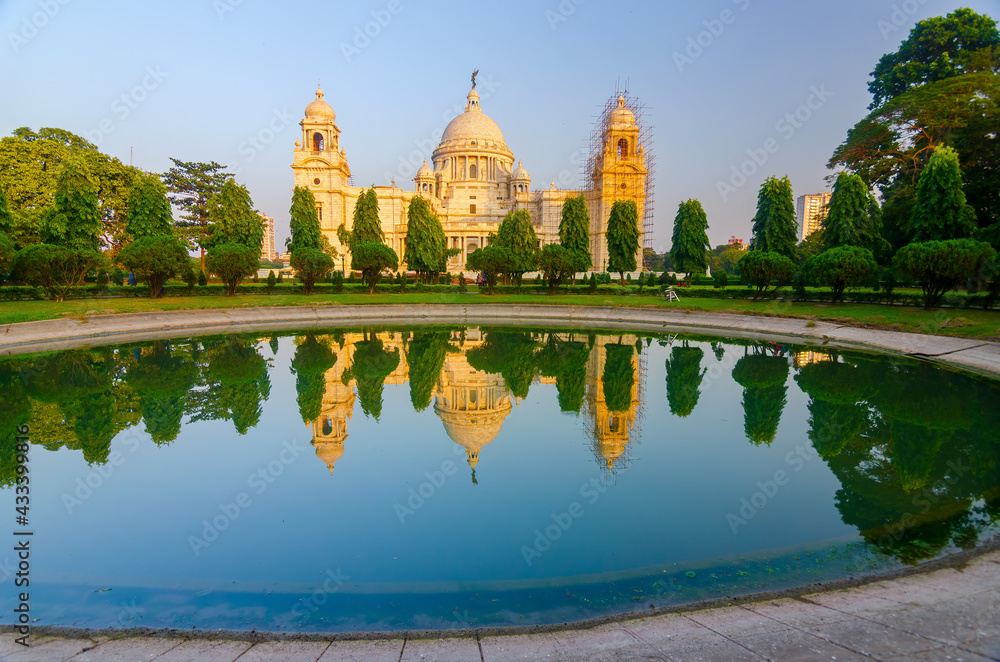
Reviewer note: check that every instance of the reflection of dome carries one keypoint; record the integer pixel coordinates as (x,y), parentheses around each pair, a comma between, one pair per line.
(621,117)
(473,124)
(329,452)
(319,109)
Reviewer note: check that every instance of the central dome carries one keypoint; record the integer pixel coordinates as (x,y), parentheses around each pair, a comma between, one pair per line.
(473,124)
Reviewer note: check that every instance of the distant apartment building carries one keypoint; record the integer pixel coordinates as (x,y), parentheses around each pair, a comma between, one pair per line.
(734,241)
(810,211)
(267,251)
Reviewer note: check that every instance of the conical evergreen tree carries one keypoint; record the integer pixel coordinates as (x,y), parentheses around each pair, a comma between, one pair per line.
(367,228)
(426,245)
(623,237)
(775,229)
(304,222)
(689,246)
(853,216)
(941,211)
(574,229)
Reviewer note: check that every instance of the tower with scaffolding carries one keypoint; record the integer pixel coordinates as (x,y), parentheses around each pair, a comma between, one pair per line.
(621,166)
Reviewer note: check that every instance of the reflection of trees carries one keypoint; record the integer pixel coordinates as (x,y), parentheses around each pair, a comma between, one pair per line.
(566,360)
(15,410)
(914,447)
(684,379)
(161,380)
(511,354)
(618,377)
(238,383)
(425,354)
(312,359)
(371,365)
(86,408)
(763,380)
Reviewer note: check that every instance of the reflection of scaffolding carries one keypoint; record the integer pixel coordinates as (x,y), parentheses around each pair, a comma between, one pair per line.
(611,433)
(597,137)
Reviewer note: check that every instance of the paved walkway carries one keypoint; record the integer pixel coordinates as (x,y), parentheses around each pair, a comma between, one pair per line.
(976,355)
(947,614)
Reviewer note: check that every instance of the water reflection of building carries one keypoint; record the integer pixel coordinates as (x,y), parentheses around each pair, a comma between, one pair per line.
(805,358)
(610,430)
(472,404)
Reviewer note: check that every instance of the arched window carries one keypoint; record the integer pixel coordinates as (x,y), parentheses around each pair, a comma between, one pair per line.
(317,142)
(473,171)
(327,427)
(622,148)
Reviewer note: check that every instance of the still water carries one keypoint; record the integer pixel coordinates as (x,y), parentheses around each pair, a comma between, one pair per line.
(433,477)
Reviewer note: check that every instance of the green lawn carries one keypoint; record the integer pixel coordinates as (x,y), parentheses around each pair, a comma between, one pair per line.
(968,323)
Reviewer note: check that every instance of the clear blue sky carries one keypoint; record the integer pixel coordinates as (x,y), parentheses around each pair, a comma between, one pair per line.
(200,78)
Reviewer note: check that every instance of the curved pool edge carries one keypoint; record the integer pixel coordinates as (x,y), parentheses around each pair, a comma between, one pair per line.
(978,356)
(940,590)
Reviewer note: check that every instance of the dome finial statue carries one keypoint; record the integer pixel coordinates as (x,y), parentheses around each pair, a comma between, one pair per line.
(474,74)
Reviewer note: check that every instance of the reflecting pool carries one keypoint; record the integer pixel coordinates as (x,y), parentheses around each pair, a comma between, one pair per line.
(447,477)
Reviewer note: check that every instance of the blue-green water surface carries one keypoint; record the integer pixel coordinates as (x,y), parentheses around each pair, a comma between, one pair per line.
(342,480)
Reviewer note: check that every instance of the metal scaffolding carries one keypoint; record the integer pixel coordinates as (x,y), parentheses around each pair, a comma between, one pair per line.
(597,138)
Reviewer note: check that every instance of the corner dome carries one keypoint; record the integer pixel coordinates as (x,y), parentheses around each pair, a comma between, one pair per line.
(520,172)
(425,171)
(621,117)
(473,124)
(319,109)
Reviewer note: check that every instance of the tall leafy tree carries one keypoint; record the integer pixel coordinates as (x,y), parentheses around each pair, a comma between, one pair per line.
(7,254)
(937,48)
(517,234)
(366,226)
(425,355)
(689,245)
(774,226)
(623,237)
(618,378)
(941,211)
(574,229)
(304,221)
(853,217)
(764,395)
(28,161)
(75,222)
(684,375)
(492,262)
(162,379)
(313,357)
(232,219)
(6,218)
(426,244)
(191,185)
(149,213)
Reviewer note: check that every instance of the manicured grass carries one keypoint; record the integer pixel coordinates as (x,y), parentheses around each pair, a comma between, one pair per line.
(967,323)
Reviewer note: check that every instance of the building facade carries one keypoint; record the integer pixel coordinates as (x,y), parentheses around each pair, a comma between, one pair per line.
(267,249)
(810,210)
(472,182)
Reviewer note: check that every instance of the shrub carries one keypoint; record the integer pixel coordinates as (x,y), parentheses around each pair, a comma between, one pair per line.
(311,265)
(232,263)
(202,279)
(721,280)
(940,266)
(281,276)
(592,283)
(57,269)
(154,260)
(272,281)
(190,279)
(841,267)
(762,268)
(337,280)
(491,261)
